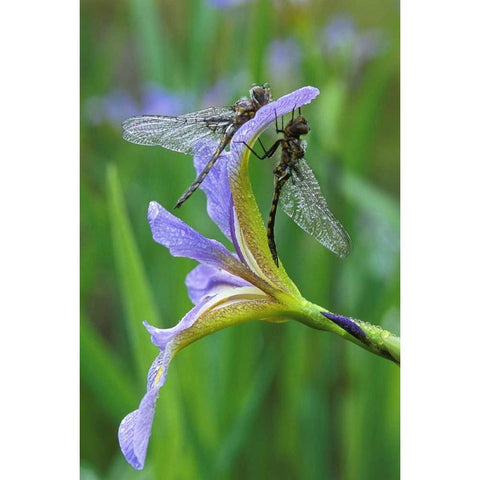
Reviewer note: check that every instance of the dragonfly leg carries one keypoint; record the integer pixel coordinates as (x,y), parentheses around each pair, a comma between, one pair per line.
(261,144)
(201,177)
(260,157)
(267,153)
(278,130)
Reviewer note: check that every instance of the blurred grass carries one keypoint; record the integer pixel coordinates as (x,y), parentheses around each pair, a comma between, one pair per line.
(257,400)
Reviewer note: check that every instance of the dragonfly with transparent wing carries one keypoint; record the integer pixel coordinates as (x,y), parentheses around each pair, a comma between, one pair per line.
(297,191)
(182,133)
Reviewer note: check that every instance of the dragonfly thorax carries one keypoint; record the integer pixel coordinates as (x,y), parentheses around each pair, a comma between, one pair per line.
(292,151)
(244,111)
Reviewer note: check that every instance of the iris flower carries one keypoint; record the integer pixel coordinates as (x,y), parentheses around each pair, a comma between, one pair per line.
(232,287)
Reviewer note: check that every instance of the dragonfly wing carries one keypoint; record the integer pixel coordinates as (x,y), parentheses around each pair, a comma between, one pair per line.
(178,133)
(301,198)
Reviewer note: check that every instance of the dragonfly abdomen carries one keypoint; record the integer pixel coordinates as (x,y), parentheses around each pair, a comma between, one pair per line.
(282,174)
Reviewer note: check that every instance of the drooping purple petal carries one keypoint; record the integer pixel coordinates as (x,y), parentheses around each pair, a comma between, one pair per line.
(215,185)
(184,241)
(135,429)
(204,281)
(161,337)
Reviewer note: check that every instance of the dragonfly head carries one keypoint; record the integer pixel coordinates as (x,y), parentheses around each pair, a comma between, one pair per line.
(260,95)
(297,126)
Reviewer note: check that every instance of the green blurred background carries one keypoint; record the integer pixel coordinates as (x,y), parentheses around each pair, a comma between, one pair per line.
(257,400)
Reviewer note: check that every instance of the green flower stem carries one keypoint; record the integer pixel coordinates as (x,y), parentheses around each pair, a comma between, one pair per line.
(378,341)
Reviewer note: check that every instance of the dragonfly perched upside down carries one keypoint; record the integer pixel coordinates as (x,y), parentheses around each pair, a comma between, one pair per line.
(183,132)
(299,194)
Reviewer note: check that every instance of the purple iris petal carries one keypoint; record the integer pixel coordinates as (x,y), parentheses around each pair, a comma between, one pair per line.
(135,429)
(184,241)
(215,185)
(162,336)
(205,281)
(233,234)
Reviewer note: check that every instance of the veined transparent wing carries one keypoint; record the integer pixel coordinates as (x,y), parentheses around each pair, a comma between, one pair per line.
(301,198)
(178,133)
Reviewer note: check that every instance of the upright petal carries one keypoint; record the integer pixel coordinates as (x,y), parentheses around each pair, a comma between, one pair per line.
(215,185)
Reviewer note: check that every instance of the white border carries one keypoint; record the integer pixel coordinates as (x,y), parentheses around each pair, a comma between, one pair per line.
(40,239)
(440,259)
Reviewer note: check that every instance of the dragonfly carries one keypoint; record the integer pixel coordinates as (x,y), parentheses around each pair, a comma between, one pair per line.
(299,193)
(182,133)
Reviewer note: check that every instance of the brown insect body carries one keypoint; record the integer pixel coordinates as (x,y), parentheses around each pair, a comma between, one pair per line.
(301,198)
(292,151)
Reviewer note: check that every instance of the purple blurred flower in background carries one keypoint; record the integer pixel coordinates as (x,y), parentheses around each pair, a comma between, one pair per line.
(156,99)
(225,89)
(109,108)
(284,58)
(340,31)
(343,41)
(118,105)
(227,3)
